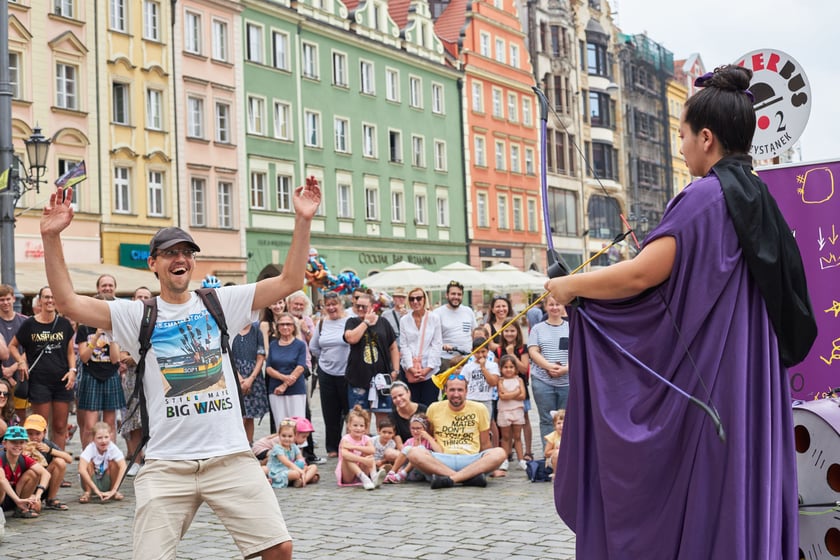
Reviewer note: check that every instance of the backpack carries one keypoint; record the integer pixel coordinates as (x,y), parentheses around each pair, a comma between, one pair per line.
(538,471)
(211,302)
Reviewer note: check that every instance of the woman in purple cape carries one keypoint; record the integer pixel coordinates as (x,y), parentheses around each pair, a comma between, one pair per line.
(716,303)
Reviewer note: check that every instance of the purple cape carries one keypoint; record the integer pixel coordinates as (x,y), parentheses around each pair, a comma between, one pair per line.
(641,471)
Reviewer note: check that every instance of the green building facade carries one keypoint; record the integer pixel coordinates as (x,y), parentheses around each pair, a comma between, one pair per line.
(361,99)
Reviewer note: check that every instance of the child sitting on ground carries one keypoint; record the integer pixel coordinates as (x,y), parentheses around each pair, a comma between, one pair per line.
(511,408)
(356,465)
(285,460)
(552,440)
(303,428)
(25,481)
(385,446)
(423,434)
(57,459)
(101,466)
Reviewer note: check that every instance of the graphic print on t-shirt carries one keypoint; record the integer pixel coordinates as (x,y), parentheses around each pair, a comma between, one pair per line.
(189,354)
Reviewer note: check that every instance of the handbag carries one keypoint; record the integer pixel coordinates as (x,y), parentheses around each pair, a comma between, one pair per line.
(537,471)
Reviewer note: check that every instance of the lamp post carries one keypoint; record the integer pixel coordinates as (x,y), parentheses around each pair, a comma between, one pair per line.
(37,148)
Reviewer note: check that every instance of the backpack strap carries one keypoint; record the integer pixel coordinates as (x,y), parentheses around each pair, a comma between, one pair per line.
(211,301)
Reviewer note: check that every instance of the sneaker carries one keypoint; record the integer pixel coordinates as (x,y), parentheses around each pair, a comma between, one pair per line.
(379,478)
(441,482)
(401,477)
(523,464)
(315,460)
(135,468)
(478,480)
(504,466)
(367,483)
(391,478)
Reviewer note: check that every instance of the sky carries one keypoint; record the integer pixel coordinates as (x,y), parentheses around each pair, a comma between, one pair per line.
(723,30)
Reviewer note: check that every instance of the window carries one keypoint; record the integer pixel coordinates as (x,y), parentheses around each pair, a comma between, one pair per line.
(14,75)
(442,207)
(500,155)
(502,209)
(366,77)
(154,189)
(480,151)
(195,117)
(562,210)
(282,120)
(437,99)
(154,109)
(392,84)
(415,92)
(477,97)
(440,155)
(122,190)
(532,215)
(223,123)
(151,20)
(63,8)
(605,160)
(220,43)
(517,214)
(342,134)
(527,119)
(371,203)
(498,110)
(345,201)
(500,51)
(597,59)
(555,41)
(280,47)
(559,152)
(66,95)
(192,32)
(482,218)
(198,202)
(256,115)
(284,193)
(119,110)
(513,107)
(484,44)
(514,56)
(310,61)
(420,217)
(397,207)
(258,190)
(600,112)
(224,195)
(395,146)
(418,151)
(312,121)
(514,159)
(254,47)
(339,61)
(117,20)
(368,140)
(529,161)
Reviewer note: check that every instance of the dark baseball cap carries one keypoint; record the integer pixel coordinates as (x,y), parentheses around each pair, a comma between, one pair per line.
(168,237)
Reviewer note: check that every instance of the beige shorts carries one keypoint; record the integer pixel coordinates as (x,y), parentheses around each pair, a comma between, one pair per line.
(169,493)
(513,417)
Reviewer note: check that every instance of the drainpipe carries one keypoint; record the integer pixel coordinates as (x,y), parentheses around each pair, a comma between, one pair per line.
(174,105)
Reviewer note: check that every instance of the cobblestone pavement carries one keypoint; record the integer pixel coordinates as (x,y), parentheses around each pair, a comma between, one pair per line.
(511,519)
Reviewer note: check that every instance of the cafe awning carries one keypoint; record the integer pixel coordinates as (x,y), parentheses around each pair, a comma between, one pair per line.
(30,277)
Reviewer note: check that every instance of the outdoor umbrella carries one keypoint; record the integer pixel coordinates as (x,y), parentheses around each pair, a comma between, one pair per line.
(405,275)
(506,278)
(471,278)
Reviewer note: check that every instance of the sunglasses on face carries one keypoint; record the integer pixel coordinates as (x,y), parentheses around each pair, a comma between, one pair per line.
(281,325)
(4,394)
(361,307)
(416,298)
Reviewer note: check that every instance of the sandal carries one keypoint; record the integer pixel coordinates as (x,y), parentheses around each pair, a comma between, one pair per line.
(55,503)
(65,484)
(25,514)
(84,498)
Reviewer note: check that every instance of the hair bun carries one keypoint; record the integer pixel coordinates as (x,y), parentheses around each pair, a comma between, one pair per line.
(727,77)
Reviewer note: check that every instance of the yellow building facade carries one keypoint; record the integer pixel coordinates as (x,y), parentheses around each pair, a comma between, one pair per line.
(677,94)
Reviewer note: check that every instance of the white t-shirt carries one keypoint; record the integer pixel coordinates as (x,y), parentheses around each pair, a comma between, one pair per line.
(100,460)
(190,388)
(477,387)
(456,327)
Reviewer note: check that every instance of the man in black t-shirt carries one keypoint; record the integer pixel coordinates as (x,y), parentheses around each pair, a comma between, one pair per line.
(10,322)
(373,349)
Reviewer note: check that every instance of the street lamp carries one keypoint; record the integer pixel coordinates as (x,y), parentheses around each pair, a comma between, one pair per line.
(37,148)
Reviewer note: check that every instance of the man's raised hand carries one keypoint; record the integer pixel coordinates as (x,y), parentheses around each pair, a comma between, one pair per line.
(307,198)
(57,213)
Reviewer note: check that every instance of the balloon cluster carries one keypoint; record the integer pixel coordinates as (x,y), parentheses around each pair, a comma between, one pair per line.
(318,275)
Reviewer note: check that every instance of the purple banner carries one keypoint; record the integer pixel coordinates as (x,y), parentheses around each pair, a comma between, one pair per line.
(806,195)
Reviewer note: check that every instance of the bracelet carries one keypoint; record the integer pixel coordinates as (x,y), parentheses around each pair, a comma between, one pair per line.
(74,370)
(42,488)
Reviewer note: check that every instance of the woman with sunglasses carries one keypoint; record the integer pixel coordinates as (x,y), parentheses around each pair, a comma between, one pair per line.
(268,327)
(284,367)
(331,350)
(420,347)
